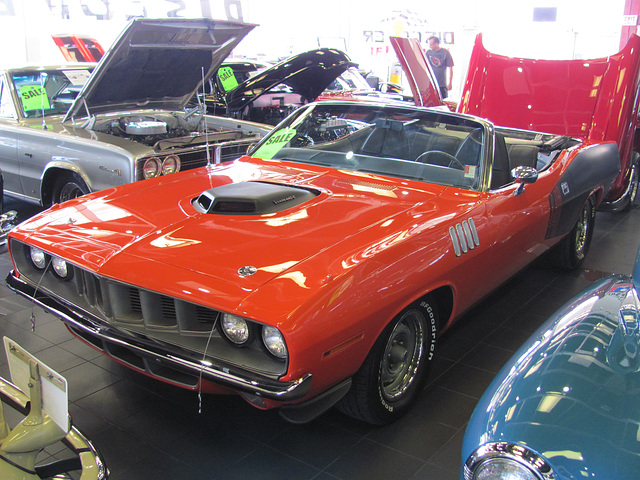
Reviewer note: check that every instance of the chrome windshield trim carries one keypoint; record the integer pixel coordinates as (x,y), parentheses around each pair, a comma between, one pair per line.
(226,375)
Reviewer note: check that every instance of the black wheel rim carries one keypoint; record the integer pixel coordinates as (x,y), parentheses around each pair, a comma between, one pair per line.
(402,356)
(70,191)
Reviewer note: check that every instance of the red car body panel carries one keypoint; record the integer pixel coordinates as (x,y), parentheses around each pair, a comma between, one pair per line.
(79,48)
(595,99)
(418,72)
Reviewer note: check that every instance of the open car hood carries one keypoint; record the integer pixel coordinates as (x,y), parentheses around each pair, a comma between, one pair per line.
(565,97)
(418,72)
(158,64)
(307,74)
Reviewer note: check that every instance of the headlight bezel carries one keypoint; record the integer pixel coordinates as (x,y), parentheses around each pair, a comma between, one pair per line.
(60,268)
(151,168)
(519,455)
(258,335)
(239,339)
(44,263)
(272,334)
(166,164)
(38,258)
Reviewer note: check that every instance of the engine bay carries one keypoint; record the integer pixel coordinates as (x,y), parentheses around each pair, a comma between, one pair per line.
(165,131)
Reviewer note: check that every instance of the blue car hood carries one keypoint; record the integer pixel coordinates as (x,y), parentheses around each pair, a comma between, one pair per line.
(572,392)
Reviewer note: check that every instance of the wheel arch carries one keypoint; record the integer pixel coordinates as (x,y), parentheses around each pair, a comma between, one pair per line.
(443,298)
(52,172)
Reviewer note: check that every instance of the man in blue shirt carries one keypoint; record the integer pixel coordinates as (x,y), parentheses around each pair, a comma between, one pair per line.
(441,62)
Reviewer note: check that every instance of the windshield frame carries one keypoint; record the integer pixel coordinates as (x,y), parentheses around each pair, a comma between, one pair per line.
(350,150)
(66,84)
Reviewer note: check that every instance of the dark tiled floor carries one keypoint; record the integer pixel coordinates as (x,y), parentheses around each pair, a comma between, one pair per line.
(146,429)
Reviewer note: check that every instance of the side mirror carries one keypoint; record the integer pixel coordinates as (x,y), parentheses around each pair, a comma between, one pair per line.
(523,175)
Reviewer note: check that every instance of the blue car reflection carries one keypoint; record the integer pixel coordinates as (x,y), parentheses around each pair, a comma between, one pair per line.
(567,404)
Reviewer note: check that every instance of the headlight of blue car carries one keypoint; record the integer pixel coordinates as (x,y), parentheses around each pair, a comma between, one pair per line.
(506,461)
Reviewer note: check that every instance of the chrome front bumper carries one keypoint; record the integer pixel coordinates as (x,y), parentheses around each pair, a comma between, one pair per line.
(6,224)
(160,353)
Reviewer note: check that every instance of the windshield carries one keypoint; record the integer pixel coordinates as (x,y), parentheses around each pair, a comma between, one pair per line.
(48,92)
(417,144)
(351,79)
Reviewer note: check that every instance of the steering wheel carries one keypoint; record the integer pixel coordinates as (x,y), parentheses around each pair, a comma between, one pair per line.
(436,157)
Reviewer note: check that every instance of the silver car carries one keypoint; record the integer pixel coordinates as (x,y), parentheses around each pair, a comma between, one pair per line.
(68,130)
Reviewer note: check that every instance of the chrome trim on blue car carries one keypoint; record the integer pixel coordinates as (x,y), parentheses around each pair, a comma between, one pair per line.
(517,453)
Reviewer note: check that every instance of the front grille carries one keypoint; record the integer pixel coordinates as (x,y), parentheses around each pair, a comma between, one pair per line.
(117,303)
(145,315)
(196,157)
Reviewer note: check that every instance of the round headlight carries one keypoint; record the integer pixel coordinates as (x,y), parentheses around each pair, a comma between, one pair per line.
(235,328)
(151,167)
(38,258)
(506,461)
(171,164)
(274,341)
(503,469)
(60,267)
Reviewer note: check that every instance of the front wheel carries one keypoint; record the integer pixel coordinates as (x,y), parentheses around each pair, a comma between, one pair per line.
(572,250)
(67,186)
(395,369)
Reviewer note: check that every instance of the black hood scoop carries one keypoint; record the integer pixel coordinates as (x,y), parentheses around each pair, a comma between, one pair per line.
(251,198)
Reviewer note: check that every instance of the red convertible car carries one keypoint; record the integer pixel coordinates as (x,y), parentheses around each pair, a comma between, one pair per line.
(595,99)
(321,269)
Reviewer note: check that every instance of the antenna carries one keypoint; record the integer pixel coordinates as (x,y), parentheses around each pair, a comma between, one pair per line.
(42,93)
(206,130)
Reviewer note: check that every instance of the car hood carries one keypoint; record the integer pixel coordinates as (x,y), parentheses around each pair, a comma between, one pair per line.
(111,234)
(571,392)
(157,64)
(565,97)
(307,74)
(418,72)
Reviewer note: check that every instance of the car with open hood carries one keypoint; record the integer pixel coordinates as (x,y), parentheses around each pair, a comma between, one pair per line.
(67,130)
(566,97)
(264,93)
(321,268)
(566,405)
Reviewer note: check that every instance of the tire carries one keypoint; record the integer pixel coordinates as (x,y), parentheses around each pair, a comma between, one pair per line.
(572,250)
(394,371)
(67,186)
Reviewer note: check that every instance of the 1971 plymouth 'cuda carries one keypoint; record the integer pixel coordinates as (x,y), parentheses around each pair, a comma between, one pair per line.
(322,268)
(68,130)
(566,405)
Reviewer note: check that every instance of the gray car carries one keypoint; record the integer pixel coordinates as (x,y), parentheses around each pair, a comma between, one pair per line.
(68,130)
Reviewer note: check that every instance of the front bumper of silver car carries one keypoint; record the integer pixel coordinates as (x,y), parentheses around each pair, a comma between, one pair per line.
(7,222)
(157,358)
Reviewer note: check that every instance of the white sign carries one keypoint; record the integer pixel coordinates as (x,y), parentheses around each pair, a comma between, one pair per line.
(55,396)
(630,20)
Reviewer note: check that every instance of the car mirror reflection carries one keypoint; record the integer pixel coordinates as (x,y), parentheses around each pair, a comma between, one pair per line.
(523,175)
